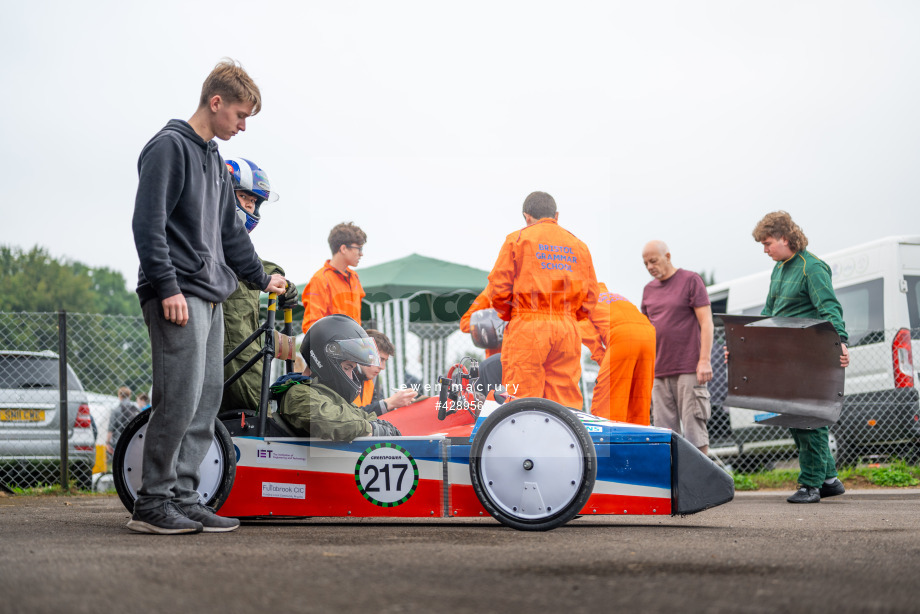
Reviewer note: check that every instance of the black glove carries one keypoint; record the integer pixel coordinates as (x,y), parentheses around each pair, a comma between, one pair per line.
(382,428)
(290,295)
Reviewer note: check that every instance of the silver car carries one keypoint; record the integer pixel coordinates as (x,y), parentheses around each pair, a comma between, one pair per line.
(30,428)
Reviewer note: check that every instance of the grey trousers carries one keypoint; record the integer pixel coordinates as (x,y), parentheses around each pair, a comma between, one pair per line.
(682,405)
(188,378)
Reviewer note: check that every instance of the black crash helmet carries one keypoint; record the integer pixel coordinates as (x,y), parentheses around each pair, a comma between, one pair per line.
(329,342)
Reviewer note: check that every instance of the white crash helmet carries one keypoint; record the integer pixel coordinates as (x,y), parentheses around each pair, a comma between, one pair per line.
(248,177)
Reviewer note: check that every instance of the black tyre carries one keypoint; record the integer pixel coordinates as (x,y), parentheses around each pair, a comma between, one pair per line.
(217,469)
(907,452)
(82,475)
(533,464)
(847,455)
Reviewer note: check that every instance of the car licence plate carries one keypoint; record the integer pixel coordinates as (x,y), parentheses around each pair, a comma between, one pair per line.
(22,415)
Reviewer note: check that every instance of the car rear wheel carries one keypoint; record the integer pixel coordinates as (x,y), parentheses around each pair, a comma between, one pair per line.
(217,469)
(533,464)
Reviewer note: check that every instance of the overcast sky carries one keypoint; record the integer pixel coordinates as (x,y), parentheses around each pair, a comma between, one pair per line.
(427,123)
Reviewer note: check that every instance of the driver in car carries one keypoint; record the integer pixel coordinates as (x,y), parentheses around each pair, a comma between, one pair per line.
(241,309)
(319,402)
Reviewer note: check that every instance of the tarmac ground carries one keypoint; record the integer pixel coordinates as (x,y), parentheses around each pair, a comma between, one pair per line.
(859,552)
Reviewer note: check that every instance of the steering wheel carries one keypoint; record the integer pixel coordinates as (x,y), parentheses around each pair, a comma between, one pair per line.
(455,387)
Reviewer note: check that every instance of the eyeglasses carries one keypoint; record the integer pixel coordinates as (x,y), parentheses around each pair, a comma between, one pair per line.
(357,247)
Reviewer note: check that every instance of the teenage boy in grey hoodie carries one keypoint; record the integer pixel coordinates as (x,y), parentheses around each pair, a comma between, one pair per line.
(191,248)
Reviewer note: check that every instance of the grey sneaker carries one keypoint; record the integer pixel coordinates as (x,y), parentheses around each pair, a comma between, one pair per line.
(166,519)
(211,522)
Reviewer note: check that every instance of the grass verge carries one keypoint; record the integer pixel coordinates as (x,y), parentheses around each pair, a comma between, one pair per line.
(50,490)
(897,474)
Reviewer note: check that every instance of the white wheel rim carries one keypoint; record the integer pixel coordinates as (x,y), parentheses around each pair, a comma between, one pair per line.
(211,468)
(531,465)
(134,462)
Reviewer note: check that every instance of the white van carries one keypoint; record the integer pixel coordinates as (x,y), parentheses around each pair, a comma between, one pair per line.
(878,285)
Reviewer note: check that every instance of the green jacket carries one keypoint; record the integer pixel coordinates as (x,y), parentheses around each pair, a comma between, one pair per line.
(316,410)
(241,317)
(801,288)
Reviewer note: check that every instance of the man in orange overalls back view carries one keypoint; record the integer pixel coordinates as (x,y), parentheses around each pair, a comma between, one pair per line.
(623,390)
(542,282)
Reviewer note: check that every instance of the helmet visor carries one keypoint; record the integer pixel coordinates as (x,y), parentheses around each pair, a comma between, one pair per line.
(262,187)
(361,350)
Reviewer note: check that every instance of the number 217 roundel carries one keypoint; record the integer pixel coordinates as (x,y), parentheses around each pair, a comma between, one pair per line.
(386,474)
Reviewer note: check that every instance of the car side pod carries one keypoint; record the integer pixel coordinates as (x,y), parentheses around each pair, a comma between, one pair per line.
(789,367)
(697,483)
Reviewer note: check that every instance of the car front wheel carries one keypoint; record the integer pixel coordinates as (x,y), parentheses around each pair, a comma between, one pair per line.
(533,464)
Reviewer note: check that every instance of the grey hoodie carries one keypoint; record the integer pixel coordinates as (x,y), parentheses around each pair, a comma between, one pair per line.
(186,231)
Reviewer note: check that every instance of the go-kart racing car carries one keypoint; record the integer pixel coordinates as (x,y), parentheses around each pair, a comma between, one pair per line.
(530,463)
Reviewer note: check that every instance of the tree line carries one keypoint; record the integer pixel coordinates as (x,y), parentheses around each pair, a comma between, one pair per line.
(107,341)
(33,280)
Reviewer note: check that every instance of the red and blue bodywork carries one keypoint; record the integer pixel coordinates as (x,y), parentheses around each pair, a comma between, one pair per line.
(434,470)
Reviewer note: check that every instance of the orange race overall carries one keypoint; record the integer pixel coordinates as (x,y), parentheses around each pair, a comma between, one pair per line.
(367,394)
(623,390)
(329,292)
(542,282)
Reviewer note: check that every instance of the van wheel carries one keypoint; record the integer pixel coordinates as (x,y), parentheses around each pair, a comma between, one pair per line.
(907,452)
(847,455)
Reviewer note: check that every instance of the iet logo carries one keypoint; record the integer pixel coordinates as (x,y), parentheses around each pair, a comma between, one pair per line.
(263,453)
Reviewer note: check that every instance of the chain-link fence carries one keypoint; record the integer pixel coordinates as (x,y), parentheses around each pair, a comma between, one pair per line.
(880,418)
(102,355)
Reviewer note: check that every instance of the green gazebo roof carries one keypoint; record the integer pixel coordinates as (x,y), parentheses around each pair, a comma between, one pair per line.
(415,273)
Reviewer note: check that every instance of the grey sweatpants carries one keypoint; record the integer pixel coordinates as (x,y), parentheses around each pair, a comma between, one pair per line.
(187,386)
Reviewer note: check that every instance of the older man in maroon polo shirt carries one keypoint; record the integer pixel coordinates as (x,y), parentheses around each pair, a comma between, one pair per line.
(677,304)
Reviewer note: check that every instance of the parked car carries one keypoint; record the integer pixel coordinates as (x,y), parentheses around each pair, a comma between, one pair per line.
(101,407)
(30,427)
(878,285)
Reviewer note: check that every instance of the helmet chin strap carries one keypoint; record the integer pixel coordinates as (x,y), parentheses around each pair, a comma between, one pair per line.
(345,391)
(248,220)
